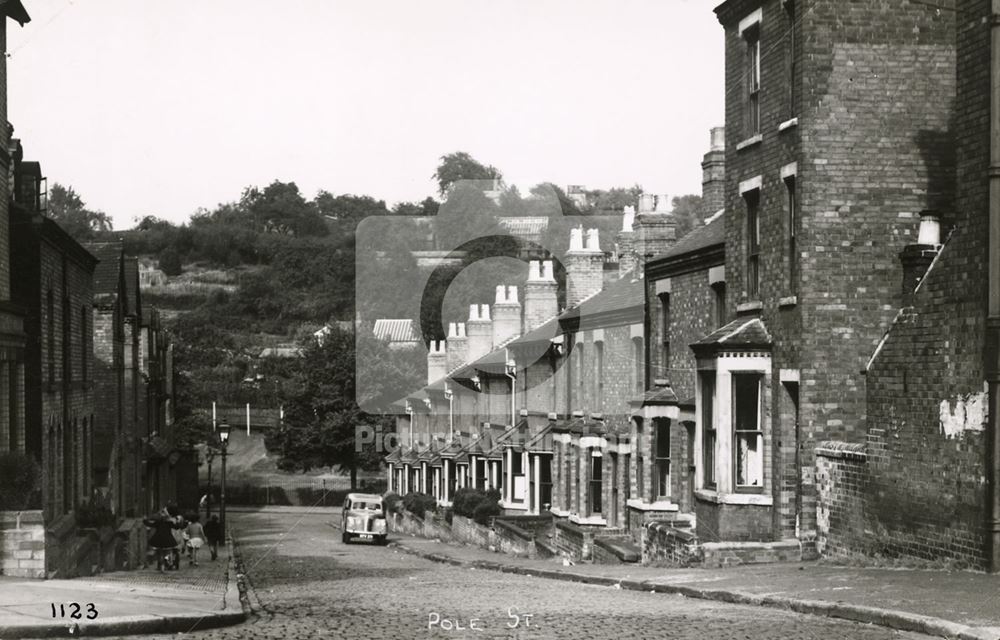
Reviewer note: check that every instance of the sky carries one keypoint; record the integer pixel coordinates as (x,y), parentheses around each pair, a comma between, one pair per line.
(160,108)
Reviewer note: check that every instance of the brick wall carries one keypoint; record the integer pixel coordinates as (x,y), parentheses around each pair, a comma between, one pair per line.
(4,145)
(872,150)
(841,499)
(692,317)
(59,413)
(926,393)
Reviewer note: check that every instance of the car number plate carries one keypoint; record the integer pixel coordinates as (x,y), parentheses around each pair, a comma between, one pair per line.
(365,536)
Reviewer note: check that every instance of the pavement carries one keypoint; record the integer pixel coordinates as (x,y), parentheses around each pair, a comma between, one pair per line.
(964,605)
(124,602)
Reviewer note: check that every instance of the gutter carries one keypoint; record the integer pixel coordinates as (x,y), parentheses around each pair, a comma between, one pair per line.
(992,344)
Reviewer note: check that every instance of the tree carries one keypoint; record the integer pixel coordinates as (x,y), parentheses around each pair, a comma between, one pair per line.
(280,208)
(349,207)
(67,208)
(461,166)
(170,262)
(323,405)
(614,199)
(687,212)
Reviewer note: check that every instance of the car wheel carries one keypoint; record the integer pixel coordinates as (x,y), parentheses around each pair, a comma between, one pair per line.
(382,540)
(345,538)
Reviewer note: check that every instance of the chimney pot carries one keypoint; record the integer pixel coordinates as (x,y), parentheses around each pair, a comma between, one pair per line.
(930,228)
(718,136)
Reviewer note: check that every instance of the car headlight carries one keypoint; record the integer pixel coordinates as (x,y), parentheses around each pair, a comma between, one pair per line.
(380,525)
(352,522)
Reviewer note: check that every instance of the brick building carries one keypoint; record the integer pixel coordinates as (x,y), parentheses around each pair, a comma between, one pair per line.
(12,337)
(109,370)
(825,179)
(685,296)
(924,483)
(54,287)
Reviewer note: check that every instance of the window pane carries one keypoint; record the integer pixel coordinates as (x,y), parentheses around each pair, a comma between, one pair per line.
(708,428)
(595,484)
(662,478)
(749,459)
(662,438)
(746,389)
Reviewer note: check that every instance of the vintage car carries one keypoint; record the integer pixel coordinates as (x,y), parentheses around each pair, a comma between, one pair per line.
(364,518)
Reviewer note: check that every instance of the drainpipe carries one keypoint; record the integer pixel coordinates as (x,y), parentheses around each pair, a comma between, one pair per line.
(992,354)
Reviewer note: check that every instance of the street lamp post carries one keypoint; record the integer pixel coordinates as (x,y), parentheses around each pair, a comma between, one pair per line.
(224,439)
(210,456)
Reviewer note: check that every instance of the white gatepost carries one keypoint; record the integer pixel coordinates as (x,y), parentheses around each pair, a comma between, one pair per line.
(509,489)
(538,484)
(447,477)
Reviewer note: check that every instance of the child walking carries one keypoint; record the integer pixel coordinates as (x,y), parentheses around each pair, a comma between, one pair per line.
(213,533)
(196,538)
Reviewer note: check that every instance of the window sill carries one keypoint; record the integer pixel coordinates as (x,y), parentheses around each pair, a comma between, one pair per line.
(558,512)
(745,307)
(756,499)
(660,505)
(749,142)
(788,124)
(599,520)
(789,301)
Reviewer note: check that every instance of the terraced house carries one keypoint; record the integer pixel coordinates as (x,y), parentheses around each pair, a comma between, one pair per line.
(539,403)
(837,124)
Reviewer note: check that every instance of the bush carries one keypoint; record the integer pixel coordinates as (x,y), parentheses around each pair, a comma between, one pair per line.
(476,504)
(20,482)
(419,503)
(94,514)
(392,503)
(486,510)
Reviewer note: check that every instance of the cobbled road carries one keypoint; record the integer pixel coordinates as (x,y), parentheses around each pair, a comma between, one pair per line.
(305,583)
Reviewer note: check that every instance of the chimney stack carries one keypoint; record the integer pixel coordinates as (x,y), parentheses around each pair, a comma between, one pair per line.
(540,301)
(457,345)
(655,227)
(713,174)
(506,315)
(917,258)
(437,361)
(479,330)
(584,265)
(626,242)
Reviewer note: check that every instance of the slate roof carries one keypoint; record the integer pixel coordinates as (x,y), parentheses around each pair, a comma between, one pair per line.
(108,270)
(524,226)
(15,10)
(741,332)
(658,395)
(621,294)
(395,330)
(701,237)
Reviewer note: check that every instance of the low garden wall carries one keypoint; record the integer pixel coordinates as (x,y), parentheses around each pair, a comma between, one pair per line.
(578,540)
(504,536)
(22,535)
(664,544)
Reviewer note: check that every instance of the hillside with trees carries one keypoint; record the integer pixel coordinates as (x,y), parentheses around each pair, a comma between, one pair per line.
(272,267)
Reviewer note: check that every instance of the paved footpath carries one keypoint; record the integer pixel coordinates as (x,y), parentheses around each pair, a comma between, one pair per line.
(123,602)
(949,604)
